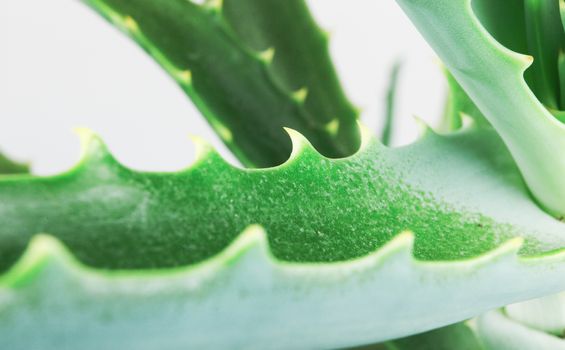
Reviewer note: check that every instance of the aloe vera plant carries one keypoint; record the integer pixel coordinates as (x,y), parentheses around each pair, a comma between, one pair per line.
(328,238)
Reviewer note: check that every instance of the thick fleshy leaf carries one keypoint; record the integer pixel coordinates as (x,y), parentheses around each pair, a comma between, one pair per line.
(492,75)
(301,62)
(232,85)
(332,241)
(333,210)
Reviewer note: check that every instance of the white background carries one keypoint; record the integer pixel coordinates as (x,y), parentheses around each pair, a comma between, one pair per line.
(61,66)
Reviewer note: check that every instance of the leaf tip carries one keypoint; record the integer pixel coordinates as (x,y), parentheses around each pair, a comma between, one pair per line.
(184,76)
(366,135)
(253,236)
(130,24)
(423,128)
(87,138)
(201,146)
(299,142)
(41,249)
(223,131)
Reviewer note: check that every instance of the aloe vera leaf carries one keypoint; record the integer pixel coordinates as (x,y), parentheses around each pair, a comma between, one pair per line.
(530,27)
(168,220)
(505,21)
(544,33)
(300,62)
(8,166)
(230,84)
(170,252)
(497,331)
(458,104)
(246,298)
(492,76)
(386,134)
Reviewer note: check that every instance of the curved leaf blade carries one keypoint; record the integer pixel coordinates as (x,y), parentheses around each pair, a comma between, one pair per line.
(229,83)
(301,60)
(492,75)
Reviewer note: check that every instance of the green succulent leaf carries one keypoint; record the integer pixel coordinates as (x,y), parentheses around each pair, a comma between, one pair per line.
(165,248)
(545,38)
(245,100)
(300,61)
(492,75)
(315,252)
(505,21)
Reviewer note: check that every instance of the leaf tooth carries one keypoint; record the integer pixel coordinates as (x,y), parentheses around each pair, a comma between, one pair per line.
(508,249)
(332,127)
(89,142)
(41,250)
(267,56)
(299,143)
(223,131)
(424,128)
(130,24)
(203,149)
(300,95)
(401,245)
(467,122)
(253,237)
(326,34)
(367,137)
(183,77)
(95,158)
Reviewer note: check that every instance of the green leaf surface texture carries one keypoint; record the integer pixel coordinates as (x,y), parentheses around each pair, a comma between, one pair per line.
(351,239)
(493,77)
(240,90)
